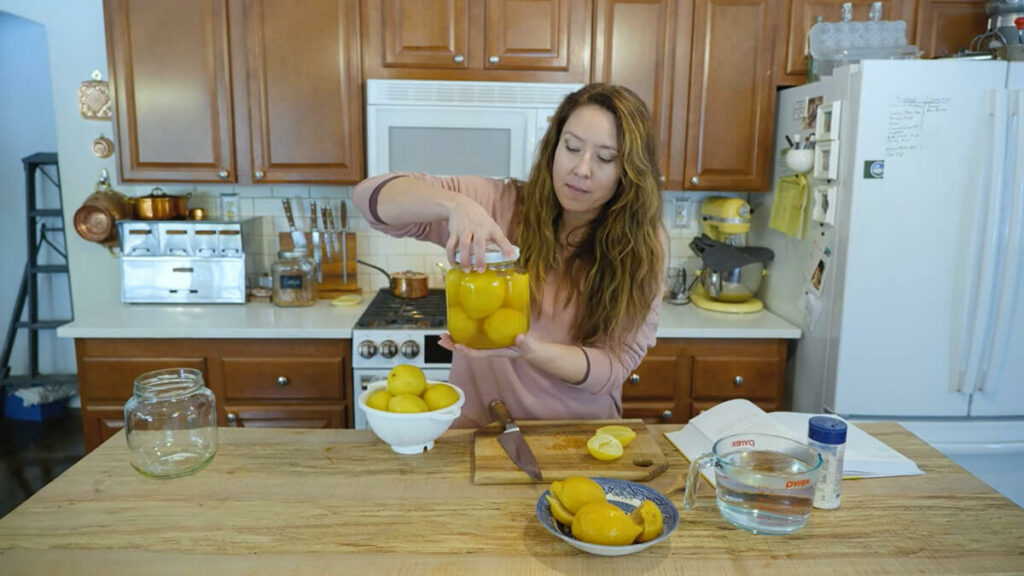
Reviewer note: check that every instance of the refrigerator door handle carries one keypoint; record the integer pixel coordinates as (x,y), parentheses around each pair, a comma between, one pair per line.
(978,279)
(1010,286)
(994,231)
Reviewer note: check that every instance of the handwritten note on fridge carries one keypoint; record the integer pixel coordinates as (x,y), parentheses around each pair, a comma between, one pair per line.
(908,116)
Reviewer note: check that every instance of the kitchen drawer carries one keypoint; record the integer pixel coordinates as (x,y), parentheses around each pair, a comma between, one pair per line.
(112,379)
(728,377)
(276,416)
(281,378)
(100,423)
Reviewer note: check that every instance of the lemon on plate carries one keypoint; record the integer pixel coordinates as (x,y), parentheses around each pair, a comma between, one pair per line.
(576,491)
(649,517)
(604,447)
(606,524)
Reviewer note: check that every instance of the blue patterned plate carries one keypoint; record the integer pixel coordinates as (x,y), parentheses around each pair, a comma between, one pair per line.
(624,494)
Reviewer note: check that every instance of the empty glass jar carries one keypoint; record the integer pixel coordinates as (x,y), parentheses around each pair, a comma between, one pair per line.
(488,309)
(171,423)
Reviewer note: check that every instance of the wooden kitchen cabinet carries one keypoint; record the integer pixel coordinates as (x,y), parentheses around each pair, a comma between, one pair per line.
(245,91)
(637,43)
(659,389)
(704,68)
(944,27)
(680,378)
(731,103)
(276,383)
(797,17)
(503,40)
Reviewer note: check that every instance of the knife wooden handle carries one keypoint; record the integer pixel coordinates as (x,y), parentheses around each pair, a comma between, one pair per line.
(500,413)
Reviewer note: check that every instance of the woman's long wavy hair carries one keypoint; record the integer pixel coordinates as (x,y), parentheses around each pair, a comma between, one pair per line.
(616,269)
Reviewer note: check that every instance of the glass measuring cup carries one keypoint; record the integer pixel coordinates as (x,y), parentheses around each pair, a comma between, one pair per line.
(763,483)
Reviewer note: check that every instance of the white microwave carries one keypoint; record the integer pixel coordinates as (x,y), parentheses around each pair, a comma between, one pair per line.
(450,128)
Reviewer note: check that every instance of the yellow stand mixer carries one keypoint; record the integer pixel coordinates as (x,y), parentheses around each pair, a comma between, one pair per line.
(731,272)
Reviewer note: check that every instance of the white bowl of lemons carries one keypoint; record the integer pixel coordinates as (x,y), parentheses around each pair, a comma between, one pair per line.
(407,411)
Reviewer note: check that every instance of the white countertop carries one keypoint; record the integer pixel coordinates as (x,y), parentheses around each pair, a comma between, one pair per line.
(325,321)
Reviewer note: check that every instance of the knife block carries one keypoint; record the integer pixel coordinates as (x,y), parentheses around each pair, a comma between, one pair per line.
(333,284)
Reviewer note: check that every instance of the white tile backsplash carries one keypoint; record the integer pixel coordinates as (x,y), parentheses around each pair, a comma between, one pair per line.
(392,254)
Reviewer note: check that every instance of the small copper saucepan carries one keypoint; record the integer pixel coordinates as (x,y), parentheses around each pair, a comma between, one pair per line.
(161,206)
(406,284)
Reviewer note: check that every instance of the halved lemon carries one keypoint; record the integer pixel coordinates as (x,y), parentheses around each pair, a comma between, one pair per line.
(624,434)
(604,447)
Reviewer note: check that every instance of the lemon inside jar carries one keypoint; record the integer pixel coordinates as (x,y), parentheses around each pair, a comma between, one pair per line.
(487,309)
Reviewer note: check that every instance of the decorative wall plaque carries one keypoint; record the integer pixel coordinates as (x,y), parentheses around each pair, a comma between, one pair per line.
(94,98)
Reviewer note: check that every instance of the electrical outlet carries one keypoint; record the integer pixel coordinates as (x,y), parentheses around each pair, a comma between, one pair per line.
(681,212)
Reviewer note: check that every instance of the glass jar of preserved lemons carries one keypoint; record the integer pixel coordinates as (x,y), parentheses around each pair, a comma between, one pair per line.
(488,309)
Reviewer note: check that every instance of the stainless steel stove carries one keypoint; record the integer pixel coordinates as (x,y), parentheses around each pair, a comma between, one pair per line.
(394,331)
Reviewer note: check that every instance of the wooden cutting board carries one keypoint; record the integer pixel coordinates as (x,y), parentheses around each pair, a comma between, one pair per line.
(560,447)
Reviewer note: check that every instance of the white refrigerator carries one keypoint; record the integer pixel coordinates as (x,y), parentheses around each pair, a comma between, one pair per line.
(907,280)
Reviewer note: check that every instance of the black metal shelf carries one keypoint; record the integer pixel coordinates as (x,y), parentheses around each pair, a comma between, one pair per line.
(27,301)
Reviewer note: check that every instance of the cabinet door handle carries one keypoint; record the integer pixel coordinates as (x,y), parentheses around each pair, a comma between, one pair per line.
(282,381)
(494,59)
(738,381)
(233,418)
(666,415)
(695,181)
(459,58)
(259,174)
(634,378)
(223,174)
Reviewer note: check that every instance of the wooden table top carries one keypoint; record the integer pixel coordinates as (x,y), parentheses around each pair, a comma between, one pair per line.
(340,501)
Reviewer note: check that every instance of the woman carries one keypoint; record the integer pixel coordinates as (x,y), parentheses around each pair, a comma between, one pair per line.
(588,226)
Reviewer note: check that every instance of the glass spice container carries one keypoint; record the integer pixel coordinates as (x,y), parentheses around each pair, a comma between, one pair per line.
(294,281)
(488,309)
(171,423)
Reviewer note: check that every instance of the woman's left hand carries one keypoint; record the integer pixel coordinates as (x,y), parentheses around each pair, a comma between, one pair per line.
(524,346)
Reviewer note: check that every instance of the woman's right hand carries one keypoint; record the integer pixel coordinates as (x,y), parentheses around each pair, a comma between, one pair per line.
(470,228)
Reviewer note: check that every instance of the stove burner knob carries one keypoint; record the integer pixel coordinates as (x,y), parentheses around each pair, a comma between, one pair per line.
(367,349)
(410,349)
(388,349)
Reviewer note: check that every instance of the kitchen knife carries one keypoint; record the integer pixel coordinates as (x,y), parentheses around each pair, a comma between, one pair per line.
(314,232)
(298,237)
(513,442)
(327,231)
(343,215)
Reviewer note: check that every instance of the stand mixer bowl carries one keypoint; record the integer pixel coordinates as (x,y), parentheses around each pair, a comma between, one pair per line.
(734,285)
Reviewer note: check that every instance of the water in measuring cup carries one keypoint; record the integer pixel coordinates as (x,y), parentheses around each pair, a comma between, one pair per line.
(752,495)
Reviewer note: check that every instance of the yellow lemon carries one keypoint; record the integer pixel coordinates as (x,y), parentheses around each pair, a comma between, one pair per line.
(406,379)
(604,523)
(624,434)
(481,293)
(504,325)
(379,399)
(604,447)
(576,491)
(406,403)
(648,516)
(560,512)
(451,285)
(462,328)
(517,295)
(440,396)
